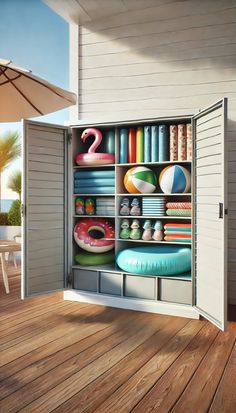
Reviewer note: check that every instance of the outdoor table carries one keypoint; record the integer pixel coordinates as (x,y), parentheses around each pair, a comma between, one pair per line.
(7,246)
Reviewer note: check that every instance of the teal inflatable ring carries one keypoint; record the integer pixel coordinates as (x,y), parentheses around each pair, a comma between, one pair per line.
(90,258)
(155,260)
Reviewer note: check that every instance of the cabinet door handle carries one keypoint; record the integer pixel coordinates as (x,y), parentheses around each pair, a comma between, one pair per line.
(221,210)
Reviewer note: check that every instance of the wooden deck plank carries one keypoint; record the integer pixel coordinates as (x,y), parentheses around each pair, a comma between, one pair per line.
(94,394)
(44,365)
(39,340)
(67,387)
(30,325)
(54,347)
(169,387)
(23,334)
(225,397)
(201,388)
(64,357)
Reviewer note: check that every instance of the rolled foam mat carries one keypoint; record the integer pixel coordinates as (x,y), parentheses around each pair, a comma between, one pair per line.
(139,145)
(147,143)
(123,145)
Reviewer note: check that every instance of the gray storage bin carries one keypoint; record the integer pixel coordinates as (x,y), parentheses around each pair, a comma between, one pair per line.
(110,283)
(140,287)
(175,291)
(85,280)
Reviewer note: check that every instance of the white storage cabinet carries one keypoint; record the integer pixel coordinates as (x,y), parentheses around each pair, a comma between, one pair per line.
(49,217)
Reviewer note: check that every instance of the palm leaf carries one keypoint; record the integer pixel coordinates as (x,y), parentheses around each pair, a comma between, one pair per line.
(14,182)
(10,149)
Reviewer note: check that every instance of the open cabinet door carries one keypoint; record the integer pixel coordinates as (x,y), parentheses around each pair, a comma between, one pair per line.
(210,213)
(44,208)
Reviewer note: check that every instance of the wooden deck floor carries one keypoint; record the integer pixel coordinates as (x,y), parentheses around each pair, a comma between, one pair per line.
(67,357)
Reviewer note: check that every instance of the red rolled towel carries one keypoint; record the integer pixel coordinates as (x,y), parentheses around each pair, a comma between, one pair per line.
(179,205)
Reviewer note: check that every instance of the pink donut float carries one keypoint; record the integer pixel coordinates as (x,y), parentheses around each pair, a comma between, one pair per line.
(95,234)
(92,157)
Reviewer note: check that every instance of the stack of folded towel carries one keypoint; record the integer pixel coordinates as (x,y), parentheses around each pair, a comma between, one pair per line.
(176,209)
(178,232)
(94,182)
(153,205)
(105,206)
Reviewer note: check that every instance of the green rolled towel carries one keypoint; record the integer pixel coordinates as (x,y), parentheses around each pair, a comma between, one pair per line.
(178,212)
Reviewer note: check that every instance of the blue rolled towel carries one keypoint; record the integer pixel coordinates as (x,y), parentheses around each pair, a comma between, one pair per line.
(97,190)
(94,182)
(94,174)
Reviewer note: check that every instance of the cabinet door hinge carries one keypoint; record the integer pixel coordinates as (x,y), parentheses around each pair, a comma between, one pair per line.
(69,137)
(69,278)
(23,210)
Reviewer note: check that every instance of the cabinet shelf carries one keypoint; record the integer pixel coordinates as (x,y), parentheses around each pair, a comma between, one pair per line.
(154,163)
(110,165)
(95,195)
(94,216)
(114,268)
(154,242)
(153,217)
(103,267)
(154,194)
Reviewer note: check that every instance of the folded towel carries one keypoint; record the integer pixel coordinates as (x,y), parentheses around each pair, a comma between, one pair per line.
(178,235)
(179,212)
(94,174)
(94,182)
(178,225)
(166,238)
(179,205)
(178,230)
(97,190)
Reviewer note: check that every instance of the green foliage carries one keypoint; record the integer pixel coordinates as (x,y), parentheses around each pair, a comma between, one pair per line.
(3,218)
(14,215)
(10,149)
(14,183)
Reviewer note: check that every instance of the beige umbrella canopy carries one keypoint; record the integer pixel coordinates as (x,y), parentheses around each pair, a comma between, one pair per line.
(23,95)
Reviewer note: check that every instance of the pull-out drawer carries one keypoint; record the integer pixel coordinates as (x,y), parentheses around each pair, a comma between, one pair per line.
(110,283)
(140,287)
(85,280)
(175,291)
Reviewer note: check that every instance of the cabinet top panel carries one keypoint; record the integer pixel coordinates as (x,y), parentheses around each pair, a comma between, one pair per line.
(185,118)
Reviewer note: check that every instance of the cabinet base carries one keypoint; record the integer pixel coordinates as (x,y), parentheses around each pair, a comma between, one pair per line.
(159,307)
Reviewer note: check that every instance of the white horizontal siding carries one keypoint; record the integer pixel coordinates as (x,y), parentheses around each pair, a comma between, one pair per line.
(163,58)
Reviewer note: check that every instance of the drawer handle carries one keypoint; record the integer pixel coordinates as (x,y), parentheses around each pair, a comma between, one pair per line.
(221,210)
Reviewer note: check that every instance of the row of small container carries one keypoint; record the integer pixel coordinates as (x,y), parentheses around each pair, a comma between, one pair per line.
(131,286)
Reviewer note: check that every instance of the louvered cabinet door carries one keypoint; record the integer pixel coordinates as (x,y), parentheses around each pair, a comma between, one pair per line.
(45,203)
(210,213)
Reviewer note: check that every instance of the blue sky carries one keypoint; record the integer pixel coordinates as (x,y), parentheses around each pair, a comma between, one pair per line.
(36,38)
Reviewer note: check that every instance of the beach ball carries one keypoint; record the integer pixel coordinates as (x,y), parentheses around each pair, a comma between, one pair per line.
(140,180)
(175,179)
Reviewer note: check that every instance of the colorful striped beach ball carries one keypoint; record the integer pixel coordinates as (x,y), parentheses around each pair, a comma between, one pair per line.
(140,180)
(175,179)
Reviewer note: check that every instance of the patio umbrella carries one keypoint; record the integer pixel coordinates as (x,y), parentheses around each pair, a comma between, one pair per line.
(23,95)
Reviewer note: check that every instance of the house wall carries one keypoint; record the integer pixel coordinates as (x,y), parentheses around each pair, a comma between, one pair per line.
(161,58)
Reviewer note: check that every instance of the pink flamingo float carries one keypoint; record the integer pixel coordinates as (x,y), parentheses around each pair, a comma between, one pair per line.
(92,157)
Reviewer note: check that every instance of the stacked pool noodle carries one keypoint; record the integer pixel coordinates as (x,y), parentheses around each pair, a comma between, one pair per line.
(144,144)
